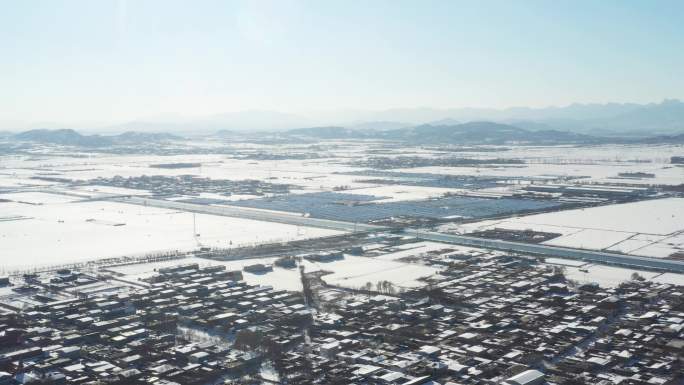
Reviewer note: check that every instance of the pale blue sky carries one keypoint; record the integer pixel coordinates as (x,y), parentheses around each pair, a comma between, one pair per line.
(112,61)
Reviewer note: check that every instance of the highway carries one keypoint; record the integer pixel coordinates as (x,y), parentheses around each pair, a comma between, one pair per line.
(248,213)
(624,260)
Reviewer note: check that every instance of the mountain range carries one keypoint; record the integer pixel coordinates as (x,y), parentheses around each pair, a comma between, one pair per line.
(612,119)
(70,137)
(609,119)
(445,131)
(464,133)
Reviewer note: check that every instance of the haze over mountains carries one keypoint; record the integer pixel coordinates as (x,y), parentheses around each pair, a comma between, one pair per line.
(465,133)
(70,137)
(474,133)
(574,123)
(471,133)
(613,119)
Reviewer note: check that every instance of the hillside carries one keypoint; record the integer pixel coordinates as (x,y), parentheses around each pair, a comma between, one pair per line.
(69,137)
(466,133)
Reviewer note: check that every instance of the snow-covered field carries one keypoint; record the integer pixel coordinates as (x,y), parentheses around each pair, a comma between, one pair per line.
(653,228)
(355,272)
(35,198)
(591,163)
(609,276)
(62,231)
(397,193)
(310,174)
(39,229)
(352,271)
(416,250)
(606,276)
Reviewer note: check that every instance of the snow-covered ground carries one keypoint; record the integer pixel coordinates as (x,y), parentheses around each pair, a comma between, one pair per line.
(352,271)
(96,189)
(609,276)
(310,174)
(396,193)
(48,229)
(355,272)
(605,276)
(592,163)
(418,249)
(64,232)
(34,198)
(653,228)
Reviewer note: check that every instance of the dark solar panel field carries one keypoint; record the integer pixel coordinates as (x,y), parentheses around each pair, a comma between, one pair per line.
(429,180)
(361,208)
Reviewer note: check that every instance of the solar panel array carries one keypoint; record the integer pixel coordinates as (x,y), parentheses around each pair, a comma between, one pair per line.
(430,180)
(362,208)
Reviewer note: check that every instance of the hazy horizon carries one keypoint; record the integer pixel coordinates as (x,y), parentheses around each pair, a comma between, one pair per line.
(267,120)
(90,64)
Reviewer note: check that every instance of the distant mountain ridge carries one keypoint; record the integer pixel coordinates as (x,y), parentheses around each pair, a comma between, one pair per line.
(608,119)
(471,133)
(69,137)
(465,133)
(379,125)
(331,132)
(488,133)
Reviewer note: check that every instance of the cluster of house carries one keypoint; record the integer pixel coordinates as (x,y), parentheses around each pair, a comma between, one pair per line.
(31,289)
(178,331)
(498,320)
(161,185)
(486,319)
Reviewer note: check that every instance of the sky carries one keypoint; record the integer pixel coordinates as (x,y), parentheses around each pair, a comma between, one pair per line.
(108,61)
